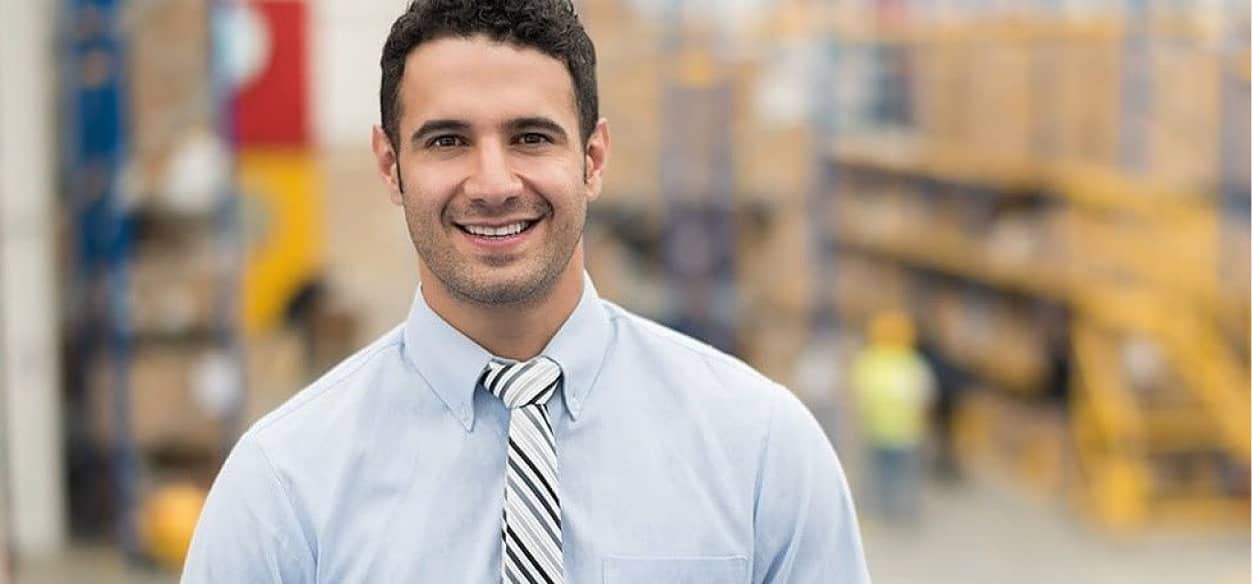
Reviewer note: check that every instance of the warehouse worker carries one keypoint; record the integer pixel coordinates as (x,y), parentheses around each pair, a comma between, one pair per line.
(516,426)
(893,386)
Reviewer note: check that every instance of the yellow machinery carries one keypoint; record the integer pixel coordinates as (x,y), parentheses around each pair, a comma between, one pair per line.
(285,232)
(1161,411)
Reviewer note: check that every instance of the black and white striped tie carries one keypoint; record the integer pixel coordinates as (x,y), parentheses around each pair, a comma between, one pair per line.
(532,506)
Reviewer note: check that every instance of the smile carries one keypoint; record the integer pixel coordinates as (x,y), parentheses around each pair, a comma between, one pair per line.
(498,231)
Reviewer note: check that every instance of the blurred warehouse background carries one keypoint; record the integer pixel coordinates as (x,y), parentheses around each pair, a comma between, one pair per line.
(1047,199)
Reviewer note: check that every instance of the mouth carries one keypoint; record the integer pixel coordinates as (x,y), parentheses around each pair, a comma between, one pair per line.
(502,231)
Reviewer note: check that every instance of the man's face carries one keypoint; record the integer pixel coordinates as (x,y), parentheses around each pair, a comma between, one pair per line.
(495,178)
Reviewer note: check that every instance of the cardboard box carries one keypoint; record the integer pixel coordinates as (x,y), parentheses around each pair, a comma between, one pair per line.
(164,412)
(1184,126)
(177,291)
(1088,90)
(170,88)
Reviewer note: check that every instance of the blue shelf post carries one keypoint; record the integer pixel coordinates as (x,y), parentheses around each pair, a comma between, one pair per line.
(94,107)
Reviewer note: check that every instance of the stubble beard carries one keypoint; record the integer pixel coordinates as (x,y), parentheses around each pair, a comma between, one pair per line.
(469,279)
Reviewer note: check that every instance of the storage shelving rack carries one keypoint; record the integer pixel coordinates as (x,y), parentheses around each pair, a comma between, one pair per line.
(1022,221)
(113,220)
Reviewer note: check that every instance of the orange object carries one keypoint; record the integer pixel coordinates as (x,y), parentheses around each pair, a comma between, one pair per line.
(168,521)
(892,329)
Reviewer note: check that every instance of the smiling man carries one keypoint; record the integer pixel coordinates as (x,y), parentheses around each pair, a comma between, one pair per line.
(516,427)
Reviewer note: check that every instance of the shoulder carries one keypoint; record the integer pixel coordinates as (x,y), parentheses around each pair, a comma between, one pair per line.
(669,350)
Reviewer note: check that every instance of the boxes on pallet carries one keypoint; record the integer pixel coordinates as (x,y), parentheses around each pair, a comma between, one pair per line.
(1000,102)
(887,212)
(774,161)
(1087,92)
(1019,237)
(629,73)
(1019,351)
(177,291)
(773,144)
(948,219)
(169,85)
(991,339)
(776,266)
(1184,124)
(1147,240)
(165,412)
(942,75)
(180,393)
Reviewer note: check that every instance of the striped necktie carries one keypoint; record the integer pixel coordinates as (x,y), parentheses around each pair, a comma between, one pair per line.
(532,506)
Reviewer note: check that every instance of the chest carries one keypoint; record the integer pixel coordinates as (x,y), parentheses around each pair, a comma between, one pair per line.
(650,500)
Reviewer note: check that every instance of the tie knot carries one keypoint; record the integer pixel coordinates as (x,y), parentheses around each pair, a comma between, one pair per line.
(520,384)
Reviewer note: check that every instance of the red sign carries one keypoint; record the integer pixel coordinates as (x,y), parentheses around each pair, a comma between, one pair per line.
(272,108)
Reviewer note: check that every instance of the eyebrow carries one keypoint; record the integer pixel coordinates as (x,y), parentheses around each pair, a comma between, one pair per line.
(434,126)
(537,123)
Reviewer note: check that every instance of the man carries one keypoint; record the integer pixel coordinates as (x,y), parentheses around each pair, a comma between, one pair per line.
(516,427)
(894,387)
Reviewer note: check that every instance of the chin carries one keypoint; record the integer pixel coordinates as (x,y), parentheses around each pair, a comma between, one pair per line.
(499,287)
(501,295)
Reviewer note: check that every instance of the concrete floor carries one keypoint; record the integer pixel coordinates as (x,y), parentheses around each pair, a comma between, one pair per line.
(970,534)
(992,534)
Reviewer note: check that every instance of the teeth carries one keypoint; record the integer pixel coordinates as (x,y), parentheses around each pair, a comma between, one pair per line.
(506,230)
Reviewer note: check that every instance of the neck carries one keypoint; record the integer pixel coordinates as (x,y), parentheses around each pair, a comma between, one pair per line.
(513,331)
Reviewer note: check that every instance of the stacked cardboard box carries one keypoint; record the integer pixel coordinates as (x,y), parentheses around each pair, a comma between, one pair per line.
(1184,131)
(165,411)
(169,86)
(942,76)
(1000,100)
(1087,93)
(629,70)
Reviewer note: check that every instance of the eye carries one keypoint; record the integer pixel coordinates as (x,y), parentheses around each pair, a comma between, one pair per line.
(445,141)
(533,138)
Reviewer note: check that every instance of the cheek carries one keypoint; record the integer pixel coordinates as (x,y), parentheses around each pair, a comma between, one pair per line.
(421,212)
(426,196)
(563,184)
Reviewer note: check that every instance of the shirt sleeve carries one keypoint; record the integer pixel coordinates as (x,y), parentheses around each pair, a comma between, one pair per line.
(248,531)
(806,527)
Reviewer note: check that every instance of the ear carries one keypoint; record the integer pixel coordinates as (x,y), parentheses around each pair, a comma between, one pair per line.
(387,162)
(596,159)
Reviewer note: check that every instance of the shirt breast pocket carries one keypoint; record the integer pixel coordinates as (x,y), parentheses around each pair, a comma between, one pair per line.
(676,570)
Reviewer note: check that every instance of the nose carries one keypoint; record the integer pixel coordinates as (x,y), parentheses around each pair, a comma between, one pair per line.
(492,180)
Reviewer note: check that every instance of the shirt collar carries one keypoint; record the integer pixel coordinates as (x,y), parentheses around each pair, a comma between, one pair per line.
(451,362)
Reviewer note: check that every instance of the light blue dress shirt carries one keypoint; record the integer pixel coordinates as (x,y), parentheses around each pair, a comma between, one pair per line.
(677,462)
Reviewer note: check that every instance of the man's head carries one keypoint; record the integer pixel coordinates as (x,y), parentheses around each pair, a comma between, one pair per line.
(548,26)
(490,145)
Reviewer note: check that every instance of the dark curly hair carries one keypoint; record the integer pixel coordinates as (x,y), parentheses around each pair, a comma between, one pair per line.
(550,26)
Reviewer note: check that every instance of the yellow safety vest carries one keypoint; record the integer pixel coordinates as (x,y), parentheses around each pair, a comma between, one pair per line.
(892,387)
